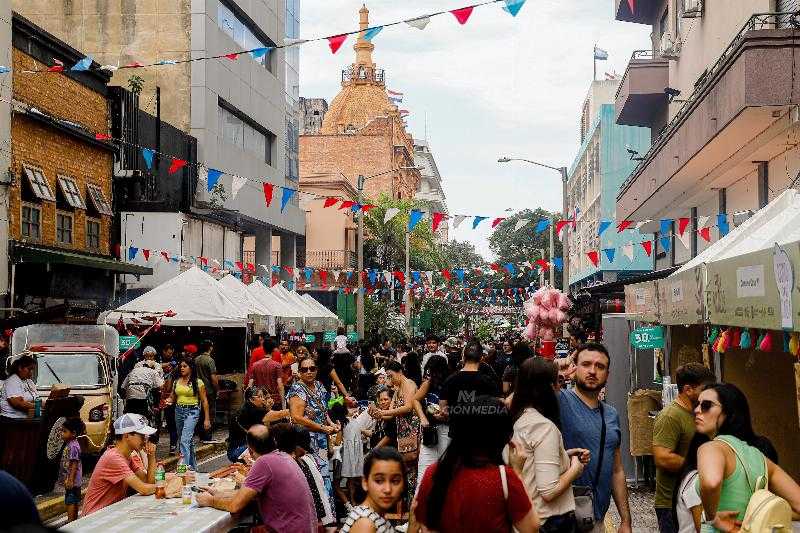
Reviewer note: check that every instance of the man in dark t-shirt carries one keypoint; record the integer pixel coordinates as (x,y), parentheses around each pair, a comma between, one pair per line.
(343,364)
(461,389)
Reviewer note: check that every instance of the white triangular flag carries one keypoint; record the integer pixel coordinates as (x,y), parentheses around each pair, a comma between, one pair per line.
(520,223)
(387,276)
(640,224)
(291,42)
(702,221)
(109,68)
(390,214)
(685,240)
(236,185)
(336,274)
(458,219)
(429,275)
(419,22)
(627,251)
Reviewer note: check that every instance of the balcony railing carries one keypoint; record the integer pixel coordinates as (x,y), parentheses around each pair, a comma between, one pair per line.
(336,259)
(759,21)
(363,73)
(637,55)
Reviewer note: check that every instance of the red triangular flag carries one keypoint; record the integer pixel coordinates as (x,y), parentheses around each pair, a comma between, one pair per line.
(632,5)
(462,14)
(705,233)
(367,207)
(330,202)
(289,270)
(239,265)
(58,67)
(251,267)
(560,225)
(497,221)
(135,64)
(446,274)
(166,256)
(204,261)
(346,204)
(622,226)
(594,257)
(102,137)
(542,263)
(146,254)
(335,42)
(232,57)
(176,165)
(400,276)
(323,277)
(682,224)
(268,187)
(648,247)
(436,219)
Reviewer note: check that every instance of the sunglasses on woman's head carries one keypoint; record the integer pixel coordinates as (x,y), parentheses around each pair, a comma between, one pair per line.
(307,369)
(706,405)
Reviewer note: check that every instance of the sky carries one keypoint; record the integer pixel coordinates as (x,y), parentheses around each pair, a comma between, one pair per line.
(497,86)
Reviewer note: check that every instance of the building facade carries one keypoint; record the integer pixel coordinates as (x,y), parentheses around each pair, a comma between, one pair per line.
(236,107)
(360,133)
(5,139)
(430,188)
(59,201)
(602,164)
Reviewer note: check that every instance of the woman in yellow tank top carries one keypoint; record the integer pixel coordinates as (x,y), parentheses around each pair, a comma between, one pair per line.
(723,415)
(188,394)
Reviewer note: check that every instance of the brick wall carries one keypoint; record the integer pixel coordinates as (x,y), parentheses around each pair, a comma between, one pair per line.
(56,152)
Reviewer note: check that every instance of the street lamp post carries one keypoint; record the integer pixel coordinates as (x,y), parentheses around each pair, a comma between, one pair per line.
(563,172)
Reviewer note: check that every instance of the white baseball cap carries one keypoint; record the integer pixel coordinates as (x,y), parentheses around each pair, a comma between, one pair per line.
(132,423)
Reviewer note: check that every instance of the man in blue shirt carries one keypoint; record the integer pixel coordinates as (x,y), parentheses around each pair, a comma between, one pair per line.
(581,420)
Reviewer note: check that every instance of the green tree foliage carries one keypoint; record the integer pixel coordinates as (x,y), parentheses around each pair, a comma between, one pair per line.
(524,244)
(445,317)
(382,321)
(461,254)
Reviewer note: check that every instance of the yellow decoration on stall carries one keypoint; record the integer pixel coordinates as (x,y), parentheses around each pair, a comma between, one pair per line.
(794,343)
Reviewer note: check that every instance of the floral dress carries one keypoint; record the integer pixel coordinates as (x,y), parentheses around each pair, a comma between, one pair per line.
(316,411)
(408,437)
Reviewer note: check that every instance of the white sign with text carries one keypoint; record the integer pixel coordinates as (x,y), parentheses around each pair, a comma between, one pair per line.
(750,281)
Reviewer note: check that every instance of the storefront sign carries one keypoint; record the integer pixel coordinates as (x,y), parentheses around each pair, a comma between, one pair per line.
(784,279)
(641,301)
(640,296)
(647,338)
(329,336)
(750,281)
(310,339)
(352,337)
(681,299)
(128,342)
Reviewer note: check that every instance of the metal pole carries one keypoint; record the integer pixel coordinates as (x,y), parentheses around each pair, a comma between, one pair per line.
(565,240)
(541,270)
(408,286)
(13,283)
(552,254)
(360,293)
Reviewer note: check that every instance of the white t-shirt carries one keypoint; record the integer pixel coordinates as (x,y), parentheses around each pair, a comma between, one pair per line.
(340,343)
(687,498)
(14,388)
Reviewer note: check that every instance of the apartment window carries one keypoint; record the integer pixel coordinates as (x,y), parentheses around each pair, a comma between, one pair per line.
(38,184)
(31,222)
(93,234)
(233,21)
(69,190)
(239,130)
(63,227)
(98,200)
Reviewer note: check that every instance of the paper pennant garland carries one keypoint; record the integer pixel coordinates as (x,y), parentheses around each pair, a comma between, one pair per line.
(236,185)
(594,257)
(287,195)
(520,224)
(705,233)
(458,219)
(420,22)
(560,225)
(648,247)
(132,253)
(259,53)
(513,6)
(462,15)
(330,202)
(148,155)
(82,65)
(604,225)
(176,165)
(355,208)
(702,221)
(685,240)
(558,262)
(683,223)
(666,243)
(542,225)
(666,226)
(722,224)
(414,216)
(436,220)
(335,42)
(511,269)
(268,189)
(346,204)
(146,254)
(609,254)
(623,225)
(213,178)
(446,274)
(477,220)
(460,275)
(102,137)
(391,212)
(369,33)
(497,221)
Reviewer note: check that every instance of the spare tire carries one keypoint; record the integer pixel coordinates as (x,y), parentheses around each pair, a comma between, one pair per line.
(55,443)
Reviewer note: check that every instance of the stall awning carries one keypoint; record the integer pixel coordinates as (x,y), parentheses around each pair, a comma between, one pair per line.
(26,253)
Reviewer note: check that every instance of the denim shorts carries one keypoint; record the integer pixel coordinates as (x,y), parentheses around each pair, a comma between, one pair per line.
(72,496)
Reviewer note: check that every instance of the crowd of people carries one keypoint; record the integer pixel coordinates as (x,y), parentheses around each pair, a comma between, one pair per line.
(449,437)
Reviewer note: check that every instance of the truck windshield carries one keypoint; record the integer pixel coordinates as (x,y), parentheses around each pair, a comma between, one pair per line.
(73,369)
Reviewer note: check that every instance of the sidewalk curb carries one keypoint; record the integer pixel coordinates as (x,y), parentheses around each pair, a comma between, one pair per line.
(54,507)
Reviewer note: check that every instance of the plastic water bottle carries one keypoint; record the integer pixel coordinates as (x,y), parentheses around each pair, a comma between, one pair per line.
(181,468)
(37,407)
(161,482)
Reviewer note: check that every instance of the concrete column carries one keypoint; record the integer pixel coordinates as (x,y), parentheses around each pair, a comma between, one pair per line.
(5,141)
(263,251)
(288,254)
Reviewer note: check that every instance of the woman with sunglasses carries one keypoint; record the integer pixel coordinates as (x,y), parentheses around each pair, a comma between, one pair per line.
(188,394)
(307,406)
(734,456)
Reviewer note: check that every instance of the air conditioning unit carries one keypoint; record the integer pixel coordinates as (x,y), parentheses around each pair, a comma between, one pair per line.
(692,9)
(669,48)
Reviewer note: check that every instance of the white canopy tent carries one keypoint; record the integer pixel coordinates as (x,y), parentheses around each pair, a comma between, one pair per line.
(314,318)
(196,298)
(263,317)
(287,315)
(313,302)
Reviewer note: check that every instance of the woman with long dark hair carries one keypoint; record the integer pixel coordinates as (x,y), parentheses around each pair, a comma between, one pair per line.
(435,439)
(469,488)
(188,395)
(734,456)
(538,454)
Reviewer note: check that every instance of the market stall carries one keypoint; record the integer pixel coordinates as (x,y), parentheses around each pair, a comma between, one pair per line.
(289,318)
(314,321)
(331,319)
(261,316)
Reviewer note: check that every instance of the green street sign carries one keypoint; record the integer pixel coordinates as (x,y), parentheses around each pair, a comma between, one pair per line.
(310,339)
(329,336)
(352,337)
(128,342)
(648,338)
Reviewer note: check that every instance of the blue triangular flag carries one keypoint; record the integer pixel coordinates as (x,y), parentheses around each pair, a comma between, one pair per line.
(513,6)
(610,254)
(373,276)
(148,154)
(132,253)
(349,274)
(558,262)
(290,285)
(542,225)
(666,226)
(604,224)
(415,275)
(276,269)
(287,195)
(308,271)
(258,53)
(372,32)
(414,216)
(82,65)
(665,243)
(722,224)
(459,274)
(227,264)
(511,268)
(477,220)
(213,178)
(355,208)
